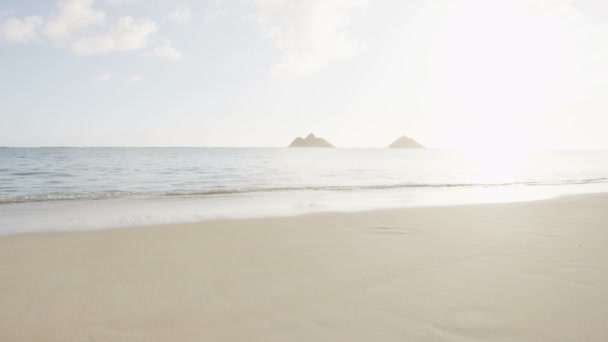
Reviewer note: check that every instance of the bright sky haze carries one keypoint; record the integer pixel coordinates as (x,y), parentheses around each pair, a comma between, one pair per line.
(360,73)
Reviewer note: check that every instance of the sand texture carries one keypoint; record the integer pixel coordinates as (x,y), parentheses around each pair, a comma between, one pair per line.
(534,271)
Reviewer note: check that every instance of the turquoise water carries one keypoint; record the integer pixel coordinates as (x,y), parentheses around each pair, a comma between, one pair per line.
(89,188)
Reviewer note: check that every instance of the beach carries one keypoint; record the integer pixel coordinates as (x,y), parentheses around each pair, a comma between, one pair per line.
(528,271)
(304,171)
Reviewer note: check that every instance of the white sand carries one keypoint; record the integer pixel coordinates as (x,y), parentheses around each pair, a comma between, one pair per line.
(510,272)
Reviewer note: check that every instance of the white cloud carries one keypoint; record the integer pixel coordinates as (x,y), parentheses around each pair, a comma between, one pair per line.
(127,34)
(104,77)
(67,29)
(20,30)
(73,16)
(168,52)
(310,34)
(181,13)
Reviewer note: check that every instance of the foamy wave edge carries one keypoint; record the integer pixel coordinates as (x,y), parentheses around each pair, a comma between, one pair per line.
(216,192)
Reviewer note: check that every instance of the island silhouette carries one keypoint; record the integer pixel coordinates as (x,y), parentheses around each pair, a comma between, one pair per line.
(405,142)
(310,141)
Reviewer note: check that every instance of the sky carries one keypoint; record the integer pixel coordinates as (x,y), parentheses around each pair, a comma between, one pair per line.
(494,74)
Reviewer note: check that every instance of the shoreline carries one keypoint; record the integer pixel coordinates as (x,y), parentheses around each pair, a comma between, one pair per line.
(518,271)
(313,214)
(93,215)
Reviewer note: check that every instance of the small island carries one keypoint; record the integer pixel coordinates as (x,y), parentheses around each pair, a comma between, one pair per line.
(310,141)
(405,142)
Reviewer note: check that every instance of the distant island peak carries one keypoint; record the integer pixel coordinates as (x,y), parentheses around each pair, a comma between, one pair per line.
(310,141)
(405,142)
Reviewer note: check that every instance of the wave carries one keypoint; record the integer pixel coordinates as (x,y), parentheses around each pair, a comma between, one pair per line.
(572,181)
(39,173)
(70,196)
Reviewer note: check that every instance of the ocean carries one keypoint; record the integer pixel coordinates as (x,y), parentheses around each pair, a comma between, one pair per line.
(59,189)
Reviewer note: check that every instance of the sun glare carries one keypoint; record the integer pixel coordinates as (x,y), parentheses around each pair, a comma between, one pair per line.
(490,166)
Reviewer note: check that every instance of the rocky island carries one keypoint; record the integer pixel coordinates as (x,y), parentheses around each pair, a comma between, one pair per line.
(405,142)
(310,141)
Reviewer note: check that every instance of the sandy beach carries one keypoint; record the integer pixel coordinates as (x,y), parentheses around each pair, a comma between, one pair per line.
(535,271)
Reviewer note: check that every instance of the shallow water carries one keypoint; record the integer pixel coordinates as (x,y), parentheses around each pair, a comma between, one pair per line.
(89,188)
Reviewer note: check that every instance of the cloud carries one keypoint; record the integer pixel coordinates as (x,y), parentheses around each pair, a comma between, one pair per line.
(73,16)
(104,77)
(181,14)
(20,30)
(127,34)
(168,52)
(70,27)
(310,34)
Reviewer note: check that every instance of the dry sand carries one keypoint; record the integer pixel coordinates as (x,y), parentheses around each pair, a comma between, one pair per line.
(533,271)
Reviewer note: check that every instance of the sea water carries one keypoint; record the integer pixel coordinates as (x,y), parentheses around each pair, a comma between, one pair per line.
(51,189)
